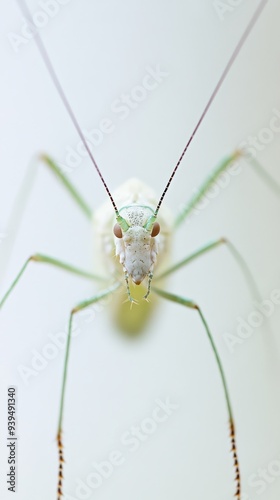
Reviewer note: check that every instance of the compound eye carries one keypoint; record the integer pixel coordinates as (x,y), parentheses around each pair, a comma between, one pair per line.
(117,231)
(155,230)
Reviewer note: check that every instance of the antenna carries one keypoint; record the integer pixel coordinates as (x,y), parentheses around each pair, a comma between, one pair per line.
(23,7)
(214,93)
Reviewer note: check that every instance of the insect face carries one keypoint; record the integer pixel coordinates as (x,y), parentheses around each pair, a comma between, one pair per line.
(139,240)
(137,249)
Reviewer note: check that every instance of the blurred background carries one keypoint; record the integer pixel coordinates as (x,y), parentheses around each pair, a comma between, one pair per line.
(102,53)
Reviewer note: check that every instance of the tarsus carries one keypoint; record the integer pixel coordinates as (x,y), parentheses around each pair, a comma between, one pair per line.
(235,460)
(60,469)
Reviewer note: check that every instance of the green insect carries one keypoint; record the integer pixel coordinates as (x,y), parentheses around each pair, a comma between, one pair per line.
(133,234)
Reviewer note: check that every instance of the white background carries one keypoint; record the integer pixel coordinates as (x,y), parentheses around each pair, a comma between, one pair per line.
(101,50)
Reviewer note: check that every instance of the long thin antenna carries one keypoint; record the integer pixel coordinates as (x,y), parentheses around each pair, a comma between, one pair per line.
(214,93)
(23,7)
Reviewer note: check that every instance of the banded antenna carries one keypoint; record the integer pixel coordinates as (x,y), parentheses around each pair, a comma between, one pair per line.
(52,73)
(23,7)
(213,95)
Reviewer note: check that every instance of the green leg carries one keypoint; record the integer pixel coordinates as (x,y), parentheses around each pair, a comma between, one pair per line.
(214,176)
(21,201)
(205,186)
(54,262)
(67,184)
(192,305)
(76,309)
(15,218)
(265,176)
(207,248)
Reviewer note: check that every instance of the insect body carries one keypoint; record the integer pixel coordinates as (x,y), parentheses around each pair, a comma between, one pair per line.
(132,244)
(133,255)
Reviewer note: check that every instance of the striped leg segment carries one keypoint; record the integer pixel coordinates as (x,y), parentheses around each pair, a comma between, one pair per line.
(192,305)
(75,310)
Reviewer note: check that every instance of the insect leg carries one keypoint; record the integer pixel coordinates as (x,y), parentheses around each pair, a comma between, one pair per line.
(205,249)
(187,209)
(76,309)
(265,176)
(47,160)
(21,201)
(217,172)
(211,246)
(54,262)
(191,304)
